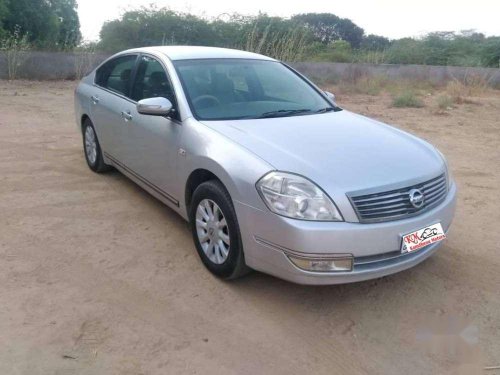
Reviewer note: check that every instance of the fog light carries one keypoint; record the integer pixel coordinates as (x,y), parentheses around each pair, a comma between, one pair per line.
(322,265)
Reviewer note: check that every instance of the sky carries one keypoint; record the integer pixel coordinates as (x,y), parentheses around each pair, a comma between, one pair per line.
(390,18)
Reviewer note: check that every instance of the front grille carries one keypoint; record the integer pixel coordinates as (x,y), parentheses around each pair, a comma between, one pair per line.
(395,204)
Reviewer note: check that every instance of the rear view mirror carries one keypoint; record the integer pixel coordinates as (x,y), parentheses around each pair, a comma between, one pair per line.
(154,106)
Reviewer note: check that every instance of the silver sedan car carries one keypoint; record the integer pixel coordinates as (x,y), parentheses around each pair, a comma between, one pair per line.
(270,173)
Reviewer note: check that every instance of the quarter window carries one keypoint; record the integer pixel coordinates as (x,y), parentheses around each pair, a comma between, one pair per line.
(116,74)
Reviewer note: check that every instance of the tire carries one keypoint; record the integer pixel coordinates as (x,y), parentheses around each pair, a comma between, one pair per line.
(223,238)
(92,148)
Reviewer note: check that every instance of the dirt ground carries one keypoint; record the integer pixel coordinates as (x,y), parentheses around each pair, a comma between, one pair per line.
(98,277)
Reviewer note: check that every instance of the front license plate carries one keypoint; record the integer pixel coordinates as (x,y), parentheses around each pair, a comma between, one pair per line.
(422,237)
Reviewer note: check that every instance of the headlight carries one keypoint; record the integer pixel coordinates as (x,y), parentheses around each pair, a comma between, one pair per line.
(294,196)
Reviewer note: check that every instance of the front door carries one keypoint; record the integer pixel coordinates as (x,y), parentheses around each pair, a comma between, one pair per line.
(152,147)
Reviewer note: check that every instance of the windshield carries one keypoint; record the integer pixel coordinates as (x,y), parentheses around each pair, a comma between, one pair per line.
(224,89)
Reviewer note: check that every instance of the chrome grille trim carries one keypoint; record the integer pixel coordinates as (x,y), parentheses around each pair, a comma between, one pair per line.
(395,204)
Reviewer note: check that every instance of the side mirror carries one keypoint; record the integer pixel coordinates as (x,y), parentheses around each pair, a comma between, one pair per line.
(330,96)
(154,106)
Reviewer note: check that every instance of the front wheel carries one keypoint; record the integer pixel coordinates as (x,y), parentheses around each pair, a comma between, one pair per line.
(216,232)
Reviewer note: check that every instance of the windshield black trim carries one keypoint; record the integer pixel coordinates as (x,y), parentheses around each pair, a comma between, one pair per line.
(303,78)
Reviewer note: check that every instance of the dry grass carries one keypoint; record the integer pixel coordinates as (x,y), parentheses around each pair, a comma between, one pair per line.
(416,94)
(376,85)
(461,92)
(444,102)
(364,85)
(472,86)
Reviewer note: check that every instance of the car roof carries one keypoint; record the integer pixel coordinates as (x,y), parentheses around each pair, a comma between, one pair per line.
(198,52)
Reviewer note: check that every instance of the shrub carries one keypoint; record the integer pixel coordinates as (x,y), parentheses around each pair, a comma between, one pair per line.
(16,47)
(444,102)
(407,99)
(407,51)
(336,51)
(461,91)
(276,38)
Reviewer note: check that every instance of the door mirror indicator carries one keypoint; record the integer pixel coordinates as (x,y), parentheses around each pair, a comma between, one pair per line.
(154,106)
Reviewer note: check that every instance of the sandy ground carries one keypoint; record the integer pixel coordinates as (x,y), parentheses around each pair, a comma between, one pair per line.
(97,277)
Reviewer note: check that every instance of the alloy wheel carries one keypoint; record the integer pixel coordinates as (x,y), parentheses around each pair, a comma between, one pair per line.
(212,231)
(90,145)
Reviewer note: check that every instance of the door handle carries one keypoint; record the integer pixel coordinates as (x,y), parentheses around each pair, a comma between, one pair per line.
(126,116)
(95,99)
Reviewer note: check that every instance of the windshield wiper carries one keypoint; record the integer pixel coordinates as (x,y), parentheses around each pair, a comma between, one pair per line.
(283,112)
(326,109)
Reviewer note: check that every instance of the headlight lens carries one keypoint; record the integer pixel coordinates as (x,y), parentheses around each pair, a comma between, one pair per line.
(296,197)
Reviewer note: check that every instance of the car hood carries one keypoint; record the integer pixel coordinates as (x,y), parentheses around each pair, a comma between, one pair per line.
(341,151)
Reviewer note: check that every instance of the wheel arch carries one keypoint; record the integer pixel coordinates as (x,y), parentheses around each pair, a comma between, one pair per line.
(83,118)
(195,179)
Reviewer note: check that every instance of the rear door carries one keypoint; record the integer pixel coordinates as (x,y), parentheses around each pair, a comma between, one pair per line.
(111,104)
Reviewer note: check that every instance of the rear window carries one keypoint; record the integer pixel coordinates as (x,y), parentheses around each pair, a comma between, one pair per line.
(116,74)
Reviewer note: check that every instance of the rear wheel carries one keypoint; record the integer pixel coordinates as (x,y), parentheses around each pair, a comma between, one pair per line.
(216,232)
(92,148)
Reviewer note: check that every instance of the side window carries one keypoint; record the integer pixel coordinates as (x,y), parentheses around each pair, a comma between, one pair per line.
(116,74)
(151,81)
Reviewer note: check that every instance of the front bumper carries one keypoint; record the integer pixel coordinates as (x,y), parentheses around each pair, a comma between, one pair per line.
(267,238)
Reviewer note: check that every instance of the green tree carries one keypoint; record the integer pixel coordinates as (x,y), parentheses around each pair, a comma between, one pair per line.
(48,23)
(327,27)
(230,31)
(35,18)
(336,51)
(464,49)
(273,36)
(313,36)
(68,35)
(490,52)
(375,43)
(3,14)
(153,26)
(407,51)
(450,48)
